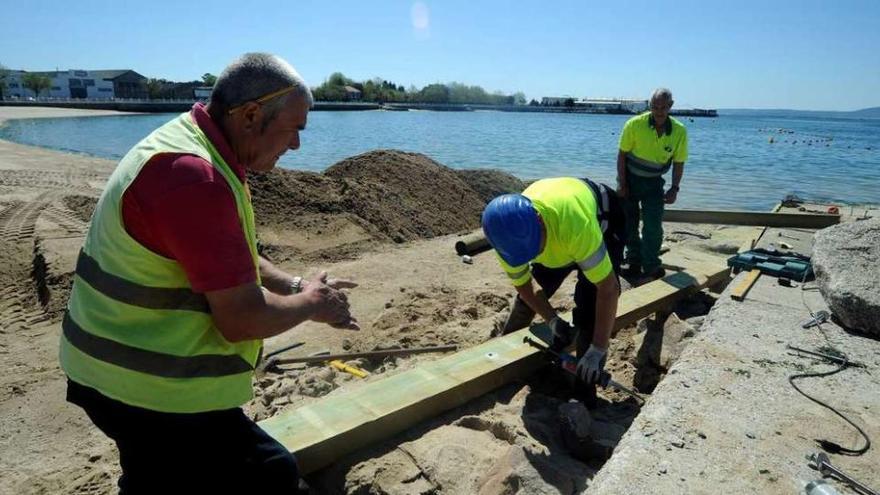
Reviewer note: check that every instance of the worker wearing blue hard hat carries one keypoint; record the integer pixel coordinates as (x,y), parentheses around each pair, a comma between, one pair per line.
(554,227)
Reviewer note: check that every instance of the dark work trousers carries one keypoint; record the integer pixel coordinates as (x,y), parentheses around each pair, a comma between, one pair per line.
(549,279)
(645,203)
(211,452)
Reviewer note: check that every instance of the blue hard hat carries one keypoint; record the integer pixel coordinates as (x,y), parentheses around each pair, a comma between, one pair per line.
(513,228)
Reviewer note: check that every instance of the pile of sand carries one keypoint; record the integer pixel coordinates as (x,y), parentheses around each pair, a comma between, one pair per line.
(376,197)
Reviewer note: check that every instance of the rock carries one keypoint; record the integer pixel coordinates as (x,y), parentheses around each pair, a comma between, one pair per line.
(721,247)
(846,259)
(658,349)
(675,333)
(696,322)
(515,472)
(576,415)
(605,431)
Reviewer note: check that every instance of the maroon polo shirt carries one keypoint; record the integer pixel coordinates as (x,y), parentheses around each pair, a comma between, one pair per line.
(182,208)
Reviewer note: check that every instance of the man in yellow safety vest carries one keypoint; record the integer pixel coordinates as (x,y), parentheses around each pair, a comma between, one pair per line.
(650,144)
(171,301)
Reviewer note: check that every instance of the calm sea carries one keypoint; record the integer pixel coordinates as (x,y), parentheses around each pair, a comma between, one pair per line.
(733,163)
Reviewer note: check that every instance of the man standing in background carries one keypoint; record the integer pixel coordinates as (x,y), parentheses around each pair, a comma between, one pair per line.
(650,144)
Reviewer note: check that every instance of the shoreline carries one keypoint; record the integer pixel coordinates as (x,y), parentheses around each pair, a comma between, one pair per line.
(8,113)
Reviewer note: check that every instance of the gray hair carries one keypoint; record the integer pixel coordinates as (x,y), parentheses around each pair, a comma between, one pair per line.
(662,94)
(254,75)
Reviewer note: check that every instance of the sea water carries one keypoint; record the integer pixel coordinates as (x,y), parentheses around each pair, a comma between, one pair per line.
(736,161)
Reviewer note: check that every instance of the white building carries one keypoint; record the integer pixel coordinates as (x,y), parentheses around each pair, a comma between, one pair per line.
(556,101)
(202,93)
(613,104)
(83,84)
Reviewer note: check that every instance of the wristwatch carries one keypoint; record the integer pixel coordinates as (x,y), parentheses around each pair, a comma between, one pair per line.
(296,285)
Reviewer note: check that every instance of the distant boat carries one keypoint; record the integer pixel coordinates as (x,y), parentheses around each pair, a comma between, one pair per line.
(392,108)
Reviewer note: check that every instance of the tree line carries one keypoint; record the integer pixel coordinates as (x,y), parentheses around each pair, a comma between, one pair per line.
(378,90)
(34,82)
(162,89)
(337,87)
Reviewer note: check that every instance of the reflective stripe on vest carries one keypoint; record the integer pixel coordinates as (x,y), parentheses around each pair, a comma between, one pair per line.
(150,362)
(138,295)
(646,168)
(603,205)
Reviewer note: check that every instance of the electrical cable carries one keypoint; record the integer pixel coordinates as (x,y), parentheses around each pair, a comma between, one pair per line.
(828,445)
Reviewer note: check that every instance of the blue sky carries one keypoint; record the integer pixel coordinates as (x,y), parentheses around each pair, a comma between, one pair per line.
(820,55)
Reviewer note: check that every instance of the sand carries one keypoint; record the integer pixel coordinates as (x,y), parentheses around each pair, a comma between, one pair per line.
(386,219)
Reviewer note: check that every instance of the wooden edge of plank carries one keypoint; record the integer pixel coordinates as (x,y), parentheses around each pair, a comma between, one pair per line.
(739,292)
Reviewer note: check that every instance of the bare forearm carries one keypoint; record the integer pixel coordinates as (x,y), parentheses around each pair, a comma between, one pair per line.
(621,168)
(250,312)
(606,311)
(273,278)
(537,301)
(278,314)
(677,173)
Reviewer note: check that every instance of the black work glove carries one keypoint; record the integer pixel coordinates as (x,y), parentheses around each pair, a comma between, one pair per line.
(563,334)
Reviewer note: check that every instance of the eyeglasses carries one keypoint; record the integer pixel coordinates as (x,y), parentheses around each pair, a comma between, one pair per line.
(262,99)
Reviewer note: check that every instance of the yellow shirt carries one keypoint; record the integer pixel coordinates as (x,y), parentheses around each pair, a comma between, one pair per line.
(649,151)
(567,207)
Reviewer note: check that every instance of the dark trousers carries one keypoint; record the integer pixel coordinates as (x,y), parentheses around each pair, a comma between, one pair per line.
(210,452)
(645,203)
(549,279)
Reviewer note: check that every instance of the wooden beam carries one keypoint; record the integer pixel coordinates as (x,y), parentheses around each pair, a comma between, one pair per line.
(739,292)
(700,270)
(752,218)
(383,353)
(322,431)
(476,243)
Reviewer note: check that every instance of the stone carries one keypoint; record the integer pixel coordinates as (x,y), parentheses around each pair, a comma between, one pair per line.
(576,415)
(722,247)
(846,259)
(517,472)
(658,349)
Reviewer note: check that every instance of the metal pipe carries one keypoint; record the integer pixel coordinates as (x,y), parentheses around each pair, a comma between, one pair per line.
(369,354)
(471,245)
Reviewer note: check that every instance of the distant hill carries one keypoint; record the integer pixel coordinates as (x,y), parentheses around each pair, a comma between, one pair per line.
(865,113)
(870,113)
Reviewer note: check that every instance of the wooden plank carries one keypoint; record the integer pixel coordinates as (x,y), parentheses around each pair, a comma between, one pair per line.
(752,218)
(699,270)
(739,292)
(476,243)
(322,431)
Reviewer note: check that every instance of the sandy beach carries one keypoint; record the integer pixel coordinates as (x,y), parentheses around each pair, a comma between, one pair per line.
(385,219)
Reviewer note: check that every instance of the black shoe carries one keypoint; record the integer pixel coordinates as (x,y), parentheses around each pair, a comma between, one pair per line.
(655,274)
(632,270)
